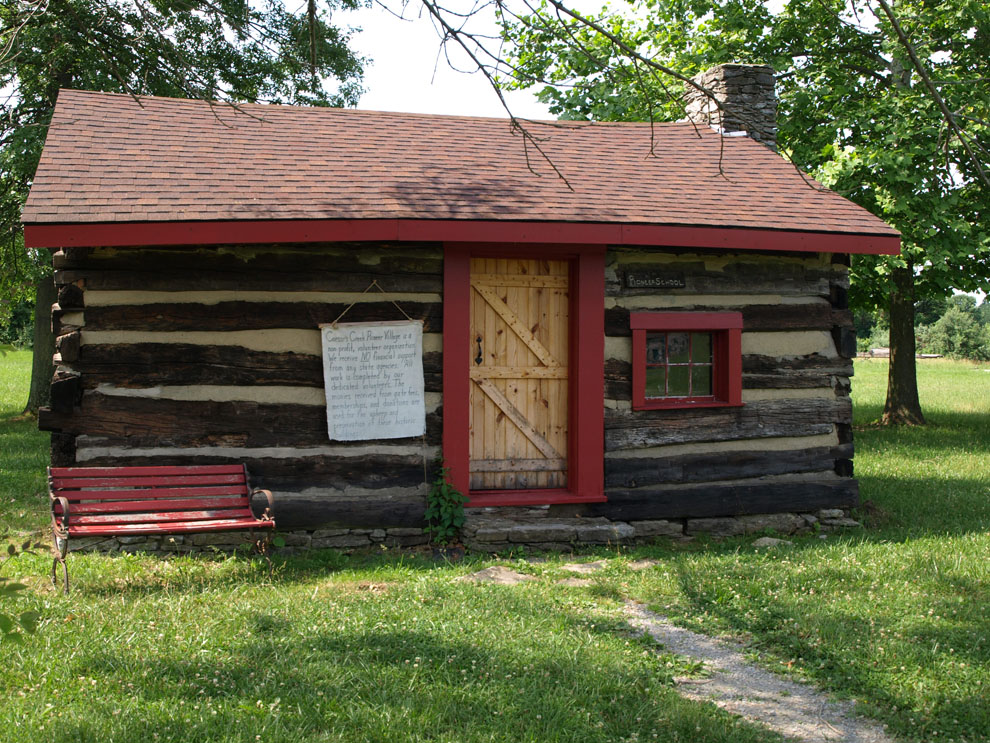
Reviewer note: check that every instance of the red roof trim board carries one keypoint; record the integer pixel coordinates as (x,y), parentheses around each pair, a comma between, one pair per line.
(440,230)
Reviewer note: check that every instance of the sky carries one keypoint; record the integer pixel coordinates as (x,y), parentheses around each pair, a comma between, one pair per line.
(406,74)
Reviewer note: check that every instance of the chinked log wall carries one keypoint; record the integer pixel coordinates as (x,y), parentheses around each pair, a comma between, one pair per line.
(789,448)
(186,355)
(196,356)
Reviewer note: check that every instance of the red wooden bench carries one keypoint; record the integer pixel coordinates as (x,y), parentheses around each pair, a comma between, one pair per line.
(128,501)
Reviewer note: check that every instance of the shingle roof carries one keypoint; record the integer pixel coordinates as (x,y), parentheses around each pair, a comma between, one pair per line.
(109,159)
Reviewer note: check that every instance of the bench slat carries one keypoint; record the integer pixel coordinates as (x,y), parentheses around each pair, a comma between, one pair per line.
(176,504)
(61,483)
(167,517)
(189,469)
(82,496)
(171,528)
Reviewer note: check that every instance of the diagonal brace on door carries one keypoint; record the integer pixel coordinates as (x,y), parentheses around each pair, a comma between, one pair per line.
(517,326)
(496,396)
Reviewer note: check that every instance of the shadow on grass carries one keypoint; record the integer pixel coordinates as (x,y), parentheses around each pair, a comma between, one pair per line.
(313,676)
(918,663)
(135,574)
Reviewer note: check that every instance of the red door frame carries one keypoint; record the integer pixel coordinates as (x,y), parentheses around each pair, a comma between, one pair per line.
(586,363)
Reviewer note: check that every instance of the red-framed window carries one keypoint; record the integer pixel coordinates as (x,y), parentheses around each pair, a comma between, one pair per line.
(686,359)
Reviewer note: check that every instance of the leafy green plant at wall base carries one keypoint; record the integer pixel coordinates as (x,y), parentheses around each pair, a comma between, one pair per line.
(444,510)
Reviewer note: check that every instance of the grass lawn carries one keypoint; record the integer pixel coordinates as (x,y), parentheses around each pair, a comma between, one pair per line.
(23,450)
(392,647)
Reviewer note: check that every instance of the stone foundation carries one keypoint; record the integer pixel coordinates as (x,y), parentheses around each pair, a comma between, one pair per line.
(489,530)
(497,530)
(345,540)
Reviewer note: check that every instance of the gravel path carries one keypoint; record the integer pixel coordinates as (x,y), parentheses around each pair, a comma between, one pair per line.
(795,710)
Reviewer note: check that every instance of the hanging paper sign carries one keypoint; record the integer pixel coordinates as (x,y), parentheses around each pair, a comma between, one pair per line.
(373,376)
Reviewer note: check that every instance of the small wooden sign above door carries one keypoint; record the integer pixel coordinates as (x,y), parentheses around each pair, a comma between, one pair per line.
(373,377)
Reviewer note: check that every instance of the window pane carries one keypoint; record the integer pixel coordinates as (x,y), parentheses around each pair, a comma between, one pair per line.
(654,381)
(655,348)
(701,347)
(701,381)
(677,348)
(677,381)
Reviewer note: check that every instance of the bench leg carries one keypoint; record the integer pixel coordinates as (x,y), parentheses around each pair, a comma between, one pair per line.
(59,547)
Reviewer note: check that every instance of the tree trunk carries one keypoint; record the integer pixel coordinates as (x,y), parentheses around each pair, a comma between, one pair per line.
(902,406)
(44,346)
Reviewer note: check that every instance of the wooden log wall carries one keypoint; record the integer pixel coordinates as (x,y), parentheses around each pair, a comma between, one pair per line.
(208,355)
(789,448)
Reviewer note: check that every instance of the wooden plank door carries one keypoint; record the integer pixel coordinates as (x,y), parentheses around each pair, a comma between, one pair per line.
(519,381)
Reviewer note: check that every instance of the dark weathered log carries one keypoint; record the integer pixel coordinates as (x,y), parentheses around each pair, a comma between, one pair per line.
(151,364)
(339,267)
(845,341)
(756,317)
(367,471)
(844,467)
(769,372)
(707,501)
(147,422)
(60,258)
(631,429)
(70,297)
(742,277)
(66,391)
(839,295)
(63,449)
(67,346)
(759,373)
(756,364)
(59,327)
(842,387)
(618,380)
(410,257)
(214,280)
(350,511)
(255,315)
(635,472)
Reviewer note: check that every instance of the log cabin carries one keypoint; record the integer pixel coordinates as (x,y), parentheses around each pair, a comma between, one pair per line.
(627,329)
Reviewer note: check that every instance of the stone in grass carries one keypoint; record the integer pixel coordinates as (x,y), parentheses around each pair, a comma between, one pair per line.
(498,574)
(638,565)
(576,582)
(845,522)
(584,568)
(771,543)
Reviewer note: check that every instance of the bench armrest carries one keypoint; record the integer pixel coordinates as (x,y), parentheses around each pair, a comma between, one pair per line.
(269,514)
(60,522)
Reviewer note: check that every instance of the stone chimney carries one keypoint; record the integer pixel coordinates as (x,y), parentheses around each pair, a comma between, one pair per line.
(747,91)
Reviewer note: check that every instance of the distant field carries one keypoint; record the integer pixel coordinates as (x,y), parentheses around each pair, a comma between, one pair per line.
(391,647)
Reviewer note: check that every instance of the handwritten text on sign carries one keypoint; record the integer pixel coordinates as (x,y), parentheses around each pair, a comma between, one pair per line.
(373,374)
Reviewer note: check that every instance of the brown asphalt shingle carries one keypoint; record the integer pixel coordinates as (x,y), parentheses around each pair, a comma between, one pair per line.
(109,159)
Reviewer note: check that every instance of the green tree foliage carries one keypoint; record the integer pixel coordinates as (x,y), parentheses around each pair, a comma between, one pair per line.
(960,333)
(227,50)
(854,110)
